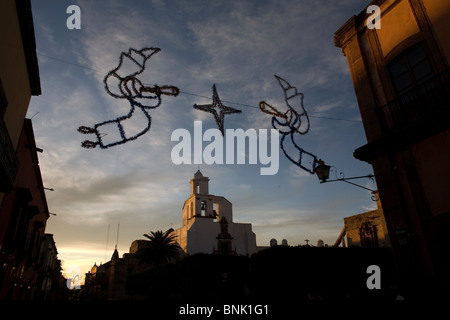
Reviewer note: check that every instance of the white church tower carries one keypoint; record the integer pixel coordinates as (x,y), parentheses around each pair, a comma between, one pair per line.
(208,225)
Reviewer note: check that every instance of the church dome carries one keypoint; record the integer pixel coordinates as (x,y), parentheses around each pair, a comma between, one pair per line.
(273,242)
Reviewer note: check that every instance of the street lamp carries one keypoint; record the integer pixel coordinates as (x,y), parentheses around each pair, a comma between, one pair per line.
(323,173)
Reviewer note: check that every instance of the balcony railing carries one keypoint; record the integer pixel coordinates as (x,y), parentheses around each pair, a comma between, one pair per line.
(8,160)
(427,103)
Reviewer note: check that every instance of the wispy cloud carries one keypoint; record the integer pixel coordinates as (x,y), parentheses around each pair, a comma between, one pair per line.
(239,46)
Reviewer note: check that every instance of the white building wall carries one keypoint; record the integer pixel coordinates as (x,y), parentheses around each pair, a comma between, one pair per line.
(244,239)
(199,234)
(201,237)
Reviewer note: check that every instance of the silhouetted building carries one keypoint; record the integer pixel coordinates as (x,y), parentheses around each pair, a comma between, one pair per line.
(29,268)
(23,217)
(108,281)
(19,79)
(401,77)
(50,284)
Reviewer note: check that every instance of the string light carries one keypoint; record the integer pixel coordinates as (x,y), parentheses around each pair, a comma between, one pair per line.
(194,94)
(291,122)
(129,87)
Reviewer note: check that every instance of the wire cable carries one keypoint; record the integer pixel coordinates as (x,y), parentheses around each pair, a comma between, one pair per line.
(195,94)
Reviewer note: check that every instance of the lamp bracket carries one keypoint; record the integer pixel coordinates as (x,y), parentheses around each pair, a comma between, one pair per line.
(342,178)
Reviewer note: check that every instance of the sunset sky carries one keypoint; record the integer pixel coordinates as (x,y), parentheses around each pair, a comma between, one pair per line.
(237,45)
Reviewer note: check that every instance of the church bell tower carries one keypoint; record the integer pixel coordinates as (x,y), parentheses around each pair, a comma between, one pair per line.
(199,184)
(208,225)
(202,205)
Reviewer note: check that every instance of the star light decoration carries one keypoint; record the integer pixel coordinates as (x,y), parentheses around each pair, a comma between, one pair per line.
(215,107)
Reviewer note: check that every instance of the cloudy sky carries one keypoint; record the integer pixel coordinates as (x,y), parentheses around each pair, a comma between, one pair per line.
(237,45)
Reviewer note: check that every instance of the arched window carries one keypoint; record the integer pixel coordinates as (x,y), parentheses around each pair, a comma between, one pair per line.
(203,208)
(368,235)
(410,69)
(215,211)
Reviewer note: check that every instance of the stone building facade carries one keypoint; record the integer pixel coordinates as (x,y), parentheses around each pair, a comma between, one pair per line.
(108,280)
(23,218)
(401,78)
(19,80)
(29,268)
(366,229)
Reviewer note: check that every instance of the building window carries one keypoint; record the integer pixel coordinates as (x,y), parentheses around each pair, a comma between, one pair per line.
(203,208)
(410,69)
(215,211)
(368,235)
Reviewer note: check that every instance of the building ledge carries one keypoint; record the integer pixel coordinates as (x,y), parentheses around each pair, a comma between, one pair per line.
(400,139)
(25,15)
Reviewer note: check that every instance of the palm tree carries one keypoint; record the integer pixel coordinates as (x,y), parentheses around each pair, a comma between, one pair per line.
(160,249)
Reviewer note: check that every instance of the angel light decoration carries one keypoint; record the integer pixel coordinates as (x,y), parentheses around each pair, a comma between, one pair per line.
(290,123)
(123,83)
